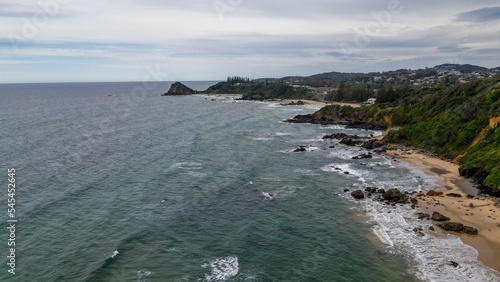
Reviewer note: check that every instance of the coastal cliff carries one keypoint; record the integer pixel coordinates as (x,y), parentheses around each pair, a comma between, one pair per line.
(178,88)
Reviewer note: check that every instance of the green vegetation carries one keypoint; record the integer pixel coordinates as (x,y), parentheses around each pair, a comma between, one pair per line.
(447,120)
(452,121)
(260,91)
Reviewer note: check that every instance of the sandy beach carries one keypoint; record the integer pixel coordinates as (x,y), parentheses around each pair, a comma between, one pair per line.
(481,212)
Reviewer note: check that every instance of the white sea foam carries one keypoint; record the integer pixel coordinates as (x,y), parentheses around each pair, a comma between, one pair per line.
(305,171)
(196,174)
(222,269)
(281,134)
(187,166)
(429,251)
(115,253)
(334,126)
(382,235)
(143,274)
(263,138)
(346,169)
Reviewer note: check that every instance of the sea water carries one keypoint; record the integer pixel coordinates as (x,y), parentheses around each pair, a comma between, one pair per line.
(115,184)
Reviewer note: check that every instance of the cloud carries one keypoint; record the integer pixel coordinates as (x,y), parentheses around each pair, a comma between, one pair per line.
(482,15)
(116,40)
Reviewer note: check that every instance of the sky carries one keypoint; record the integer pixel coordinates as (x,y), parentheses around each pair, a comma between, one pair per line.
(126,40)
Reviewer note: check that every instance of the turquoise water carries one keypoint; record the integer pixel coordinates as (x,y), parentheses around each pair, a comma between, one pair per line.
(114,186)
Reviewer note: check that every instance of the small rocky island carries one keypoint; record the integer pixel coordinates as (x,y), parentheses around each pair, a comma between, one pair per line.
(178,88)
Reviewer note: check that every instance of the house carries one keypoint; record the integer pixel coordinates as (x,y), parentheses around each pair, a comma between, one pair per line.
(371,101)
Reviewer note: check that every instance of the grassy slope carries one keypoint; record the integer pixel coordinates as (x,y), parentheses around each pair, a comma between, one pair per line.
(447,120)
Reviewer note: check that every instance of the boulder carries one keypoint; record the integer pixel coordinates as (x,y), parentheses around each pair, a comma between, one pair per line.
(340,136)
(394,195)
(363,156)
(454,195)
(372,144)
(300,149)
(439,217)
(358,194)
(293,103)
(434,193)
(458,227)
(350,142)
(371,189)
(423,215)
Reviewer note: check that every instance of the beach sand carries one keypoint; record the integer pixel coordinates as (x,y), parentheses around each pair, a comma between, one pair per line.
(484,215)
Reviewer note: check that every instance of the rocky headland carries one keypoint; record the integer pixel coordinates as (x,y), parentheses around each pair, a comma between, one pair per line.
(336,114)
(177,89)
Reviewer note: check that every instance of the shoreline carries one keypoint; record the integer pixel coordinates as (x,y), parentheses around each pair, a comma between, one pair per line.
(485,215)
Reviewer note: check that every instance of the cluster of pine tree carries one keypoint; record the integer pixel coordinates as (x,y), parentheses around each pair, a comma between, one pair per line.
(237,79)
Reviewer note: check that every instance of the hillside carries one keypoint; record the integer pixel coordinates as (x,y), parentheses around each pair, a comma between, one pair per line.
(260,91)
(458,122)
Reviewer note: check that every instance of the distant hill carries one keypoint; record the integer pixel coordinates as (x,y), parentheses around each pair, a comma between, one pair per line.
(465,67)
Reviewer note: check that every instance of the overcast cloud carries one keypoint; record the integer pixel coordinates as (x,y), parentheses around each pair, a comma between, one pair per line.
(76,40)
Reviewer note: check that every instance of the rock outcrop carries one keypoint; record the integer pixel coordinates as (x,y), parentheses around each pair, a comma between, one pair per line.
(358,194)
(395,196)
(458,227)
(333,114)
(179,89)
(439,217)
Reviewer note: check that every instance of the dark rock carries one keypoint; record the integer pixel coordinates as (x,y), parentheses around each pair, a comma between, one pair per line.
(358,194)
(434,193)
(439,217)
(458,227)
(178,88)
(431,228)
(381,191)
(331,147)
(300,149)
(423,215)
(350,142)
(470,197)
(469,230)
(417,229)
(394,195)
(454,195)
(340,136)
(453,263)
(362,156)
(346,172)
(372,144)
(371,189)
(413,201)
(293,103)
(451,226)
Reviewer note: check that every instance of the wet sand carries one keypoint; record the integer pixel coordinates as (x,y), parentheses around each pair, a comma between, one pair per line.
(483,213)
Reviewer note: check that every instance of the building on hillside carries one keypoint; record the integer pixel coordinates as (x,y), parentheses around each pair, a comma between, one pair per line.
(370,101)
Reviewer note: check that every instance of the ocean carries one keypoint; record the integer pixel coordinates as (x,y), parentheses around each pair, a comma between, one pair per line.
(115,183)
